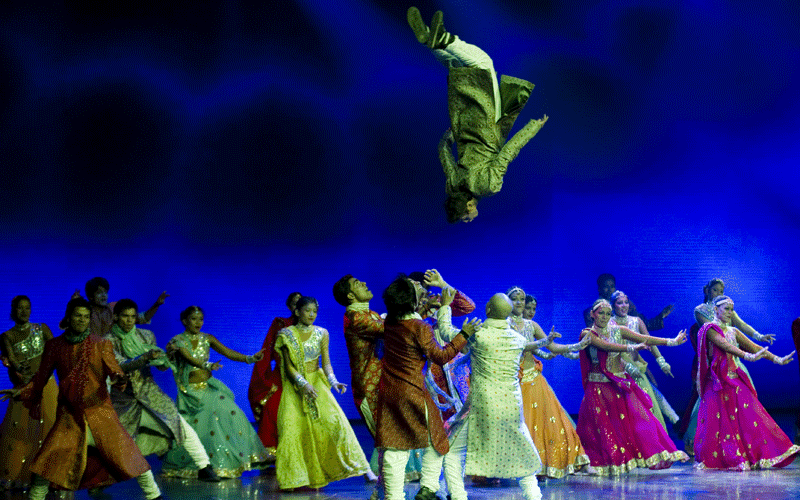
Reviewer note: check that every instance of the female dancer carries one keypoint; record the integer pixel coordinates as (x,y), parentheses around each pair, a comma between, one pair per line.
(704,314)
(265,387)
(551,428)
(530,307)
(614,421)
(21,435)
(734,431)
(635,365)
(208,405)
(316,444)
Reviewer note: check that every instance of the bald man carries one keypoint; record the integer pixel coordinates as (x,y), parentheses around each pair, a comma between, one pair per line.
(490,429)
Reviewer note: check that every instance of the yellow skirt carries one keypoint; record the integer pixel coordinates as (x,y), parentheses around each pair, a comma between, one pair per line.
(551,428)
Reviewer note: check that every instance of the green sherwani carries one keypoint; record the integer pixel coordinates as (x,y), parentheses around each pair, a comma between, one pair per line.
(483,153)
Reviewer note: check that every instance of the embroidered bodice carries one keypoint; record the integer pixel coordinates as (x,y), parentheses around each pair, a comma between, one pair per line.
(629,322)
(312,347)
(202,351)
(610,333)
(523,326)
(30,347)
(706,310)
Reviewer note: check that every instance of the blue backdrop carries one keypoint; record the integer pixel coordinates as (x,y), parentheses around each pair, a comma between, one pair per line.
(233,152)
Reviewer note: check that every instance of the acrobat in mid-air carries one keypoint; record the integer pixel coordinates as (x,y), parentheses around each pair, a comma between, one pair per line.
(482,112)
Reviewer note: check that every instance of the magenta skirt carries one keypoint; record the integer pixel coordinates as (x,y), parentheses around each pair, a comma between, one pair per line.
(735,432)
(619,434)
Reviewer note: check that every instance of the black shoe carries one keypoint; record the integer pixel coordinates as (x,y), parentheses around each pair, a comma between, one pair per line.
(439,38)
(418,25)
(425,494)
(207,474)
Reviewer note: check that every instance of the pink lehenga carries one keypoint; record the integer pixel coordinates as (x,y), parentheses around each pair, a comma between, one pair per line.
(734,431)
(615,425)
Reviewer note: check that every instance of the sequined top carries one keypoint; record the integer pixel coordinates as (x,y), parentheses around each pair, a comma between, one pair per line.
(706,310)
(203,350)
(613,334)
(312,346)
(30,347)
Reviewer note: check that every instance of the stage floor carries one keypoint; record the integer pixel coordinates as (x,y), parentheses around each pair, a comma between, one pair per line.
(681,481)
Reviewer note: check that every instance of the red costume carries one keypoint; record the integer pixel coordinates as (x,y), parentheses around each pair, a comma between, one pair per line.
(265,387)
(407,416)
(362,329)
(64,458)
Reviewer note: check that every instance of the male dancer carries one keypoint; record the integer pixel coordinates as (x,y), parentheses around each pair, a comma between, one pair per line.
(149,415)
(489,429)
(103,312)
(407,417)
(481,116)
(87,447)
(363,328)
(606,285)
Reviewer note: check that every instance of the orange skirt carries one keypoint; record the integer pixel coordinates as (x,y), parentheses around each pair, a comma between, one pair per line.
(551,428)
(21,437)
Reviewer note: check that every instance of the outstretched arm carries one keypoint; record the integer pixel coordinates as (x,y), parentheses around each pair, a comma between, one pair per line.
(750,331)
(148,314)
(231,354)
(650,340)
(604,345)
(512,148)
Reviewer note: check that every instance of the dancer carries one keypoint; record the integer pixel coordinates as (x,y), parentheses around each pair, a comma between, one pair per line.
(450,382)
(635,365)
(734,431)
(550,426)
(208,405)
(103,311)
(20,434)
(489,429)
(264,391)
(606,285)
(614,422)
(363,334)
(150,416)
(706,313)
(530,307)
(316,444)
(407,417)
(87,441)
(481,116)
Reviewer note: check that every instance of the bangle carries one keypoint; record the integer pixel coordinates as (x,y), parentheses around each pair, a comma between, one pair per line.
(574,347)
(332,379)
(750,356)
(671,343)
(758,337)
(207,365)
(249,359)
(662,362)
(631,347)
(300,381)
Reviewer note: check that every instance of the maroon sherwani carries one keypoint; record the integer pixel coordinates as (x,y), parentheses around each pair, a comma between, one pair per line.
(362,330)
(403,398)
(265,387)
(83,400)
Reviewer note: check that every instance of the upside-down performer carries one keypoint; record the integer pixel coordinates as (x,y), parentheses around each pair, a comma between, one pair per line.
(482,113)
